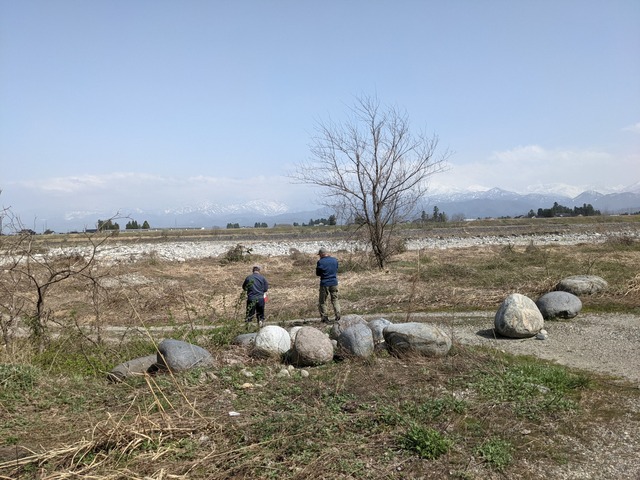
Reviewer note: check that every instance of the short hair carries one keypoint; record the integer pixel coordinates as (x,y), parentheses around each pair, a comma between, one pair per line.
(256,268)
(322,251)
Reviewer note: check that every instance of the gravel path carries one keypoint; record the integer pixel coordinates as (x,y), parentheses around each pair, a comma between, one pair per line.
(602,343)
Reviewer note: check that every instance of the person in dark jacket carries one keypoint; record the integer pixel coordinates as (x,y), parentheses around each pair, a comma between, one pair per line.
(256,286)
(327,270)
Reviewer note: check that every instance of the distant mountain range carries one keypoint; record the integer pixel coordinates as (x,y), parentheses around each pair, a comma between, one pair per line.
(502,203)
(490,203)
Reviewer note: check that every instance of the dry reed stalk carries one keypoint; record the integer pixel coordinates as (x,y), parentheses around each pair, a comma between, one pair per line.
(634,286)
(111,441)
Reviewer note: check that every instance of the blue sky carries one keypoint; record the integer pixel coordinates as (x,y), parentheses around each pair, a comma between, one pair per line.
(156,104)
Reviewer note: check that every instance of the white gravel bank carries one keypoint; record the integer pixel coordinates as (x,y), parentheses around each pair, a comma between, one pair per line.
(194,249)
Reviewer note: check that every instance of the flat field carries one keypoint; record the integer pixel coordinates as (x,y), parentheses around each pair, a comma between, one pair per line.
(491,409)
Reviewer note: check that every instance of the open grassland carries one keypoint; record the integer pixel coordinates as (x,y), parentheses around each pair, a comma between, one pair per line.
(476,414)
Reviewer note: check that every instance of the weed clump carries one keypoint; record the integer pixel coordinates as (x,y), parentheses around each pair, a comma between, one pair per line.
(239,253)
(496,453)
(426,442)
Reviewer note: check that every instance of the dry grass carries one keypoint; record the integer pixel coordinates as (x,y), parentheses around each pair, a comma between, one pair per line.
(208,290)
(60,419)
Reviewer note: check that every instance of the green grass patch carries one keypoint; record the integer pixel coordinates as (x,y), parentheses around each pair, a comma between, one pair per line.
(426,442)
(496,452)
(530,387)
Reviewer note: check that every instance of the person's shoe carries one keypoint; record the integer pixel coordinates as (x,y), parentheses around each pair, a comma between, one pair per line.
(325,319)
(260,323)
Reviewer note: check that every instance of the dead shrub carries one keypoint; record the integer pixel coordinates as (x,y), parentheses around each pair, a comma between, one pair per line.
(300,259)
(238,253)
(622,241)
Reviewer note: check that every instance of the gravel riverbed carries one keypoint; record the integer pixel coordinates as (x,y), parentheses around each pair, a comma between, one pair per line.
(179,250)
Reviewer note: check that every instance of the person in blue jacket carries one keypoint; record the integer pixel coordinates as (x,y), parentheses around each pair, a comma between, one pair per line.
(327,270)
(256,286)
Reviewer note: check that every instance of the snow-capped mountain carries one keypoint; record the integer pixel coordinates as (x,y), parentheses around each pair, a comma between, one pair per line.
(497,202)
(476,203)
(260,207)
(205,214)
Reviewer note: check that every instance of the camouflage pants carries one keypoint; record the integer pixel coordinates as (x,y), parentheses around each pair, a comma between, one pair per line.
(325,294)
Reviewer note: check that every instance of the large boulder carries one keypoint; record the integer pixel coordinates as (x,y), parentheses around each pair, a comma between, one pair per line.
(177,355)
(518,317)
(344,323)
(559,305)
(311,347)
(377,327)
(137,366)
(582,284)
(356,340)
(271,340)
(422,338)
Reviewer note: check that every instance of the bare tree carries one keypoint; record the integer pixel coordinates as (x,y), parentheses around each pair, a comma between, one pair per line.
(373,169)
(29,271)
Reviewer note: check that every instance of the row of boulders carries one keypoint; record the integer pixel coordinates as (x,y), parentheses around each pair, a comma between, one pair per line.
(521,317)
(301,346)
(352,336)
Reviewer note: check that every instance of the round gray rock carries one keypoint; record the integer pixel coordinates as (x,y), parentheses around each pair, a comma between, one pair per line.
(356,340)
(582,284)
(344,323)
(518,317)
(422,338)
(559,305)
(179,356)
(311,347)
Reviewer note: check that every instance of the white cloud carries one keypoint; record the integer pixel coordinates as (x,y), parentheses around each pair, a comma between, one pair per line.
(635,128)
(140,190)
(530,168)
(79,184)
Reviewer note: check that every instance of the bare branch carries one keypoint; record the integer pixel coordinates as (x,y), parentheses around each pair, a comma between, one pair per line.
(372,168)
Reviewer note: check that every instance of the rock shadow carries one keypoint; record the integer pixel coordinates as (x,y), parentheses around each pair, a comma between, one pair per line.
(492,334)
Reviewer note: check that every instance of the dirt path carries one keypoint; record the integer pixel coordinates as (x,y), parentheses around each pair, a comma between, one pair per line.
(601,343)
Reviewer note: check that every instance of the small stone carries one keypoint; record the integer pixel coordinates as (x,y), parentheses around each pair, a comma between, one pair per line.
(304,373)
(246,386)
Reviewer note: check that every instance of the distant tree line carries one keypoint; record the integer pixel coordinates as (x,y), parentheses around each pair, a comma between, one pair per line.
(557,210)
(436,217)
(104,225)
(332,220)
(134,225)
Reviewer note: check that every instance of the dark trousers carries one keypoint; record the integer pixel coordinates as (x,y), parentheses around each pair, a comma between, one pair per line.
(255,307)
